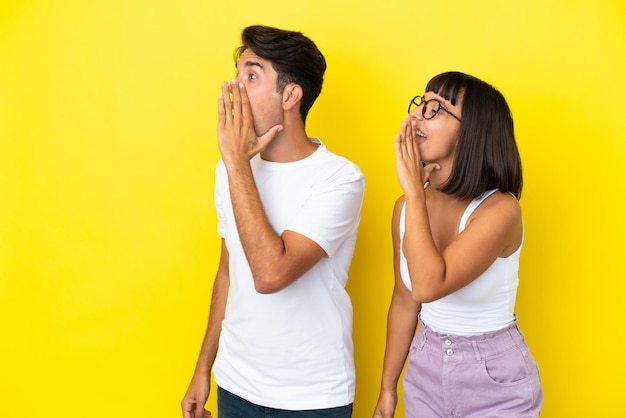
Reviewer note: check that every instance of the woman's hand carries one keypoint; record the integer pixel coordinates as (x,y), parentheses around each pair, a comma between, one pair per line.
(386,406)
(412,173)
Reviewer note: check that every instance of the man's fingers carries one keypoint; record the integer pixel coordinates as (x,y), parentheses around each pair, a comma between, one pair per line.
(189,409)
(246,110)
(221,110)
(236,93)
(264,141)
(226,103)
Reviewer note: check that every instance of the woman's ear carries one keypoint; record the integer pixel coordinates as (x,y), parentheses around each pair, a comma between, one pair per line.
(292,94)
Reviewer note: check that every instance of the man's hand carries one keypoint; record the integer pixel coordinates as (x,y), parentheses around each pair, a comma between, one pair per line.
(195,398)
(235,128)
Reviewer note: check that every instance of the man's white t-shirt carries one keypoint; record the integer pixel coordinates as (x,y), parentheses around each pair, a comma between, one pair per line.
(293,349)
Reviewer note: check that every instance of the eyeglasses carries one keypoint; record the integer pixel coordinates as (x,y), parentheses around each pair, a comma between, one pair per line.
(430,109)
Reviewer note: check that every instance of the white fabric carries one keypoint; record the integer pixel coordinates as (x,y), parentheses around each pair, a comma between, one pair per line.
(293,349)
(486,304)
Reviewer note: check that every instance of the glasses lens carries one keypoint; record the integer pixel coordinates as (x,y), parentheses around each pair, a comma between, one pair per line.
(431,108)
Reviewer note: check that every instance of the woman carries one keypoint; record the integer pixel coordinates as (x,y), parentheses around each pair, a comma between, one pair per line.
(457,236)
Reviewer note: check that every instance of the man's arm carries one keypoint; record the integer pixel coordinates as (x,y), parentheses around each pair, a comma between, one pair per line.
(198,391)
(275,261)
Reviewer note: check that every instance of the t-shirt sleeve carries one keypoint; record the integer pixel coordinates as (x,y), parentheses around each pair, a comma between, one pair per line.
(332,212)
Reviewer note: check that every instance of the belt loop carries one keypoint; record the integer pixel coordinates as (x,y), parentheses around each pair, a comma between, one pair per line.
(476,351)
(422,341)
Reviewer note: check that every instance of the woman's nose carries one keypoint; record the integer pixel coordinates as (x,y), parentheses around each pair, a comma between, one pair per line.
(416,113)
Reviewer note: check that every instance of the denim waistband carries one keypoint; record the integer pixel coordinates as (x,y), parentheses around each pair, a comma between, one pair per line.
(482,346)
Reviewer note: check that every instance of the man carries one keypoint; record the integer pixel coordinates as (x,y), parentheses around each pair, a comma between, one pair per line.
(288,212)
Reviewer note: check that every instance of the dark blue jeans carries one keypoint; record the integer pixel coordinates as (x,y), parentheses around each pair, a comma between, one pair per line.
(232,406)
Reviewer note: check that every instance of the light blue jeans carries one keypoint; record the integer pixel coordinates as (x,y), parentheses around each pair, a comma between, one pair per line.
(488,375)
(230,405)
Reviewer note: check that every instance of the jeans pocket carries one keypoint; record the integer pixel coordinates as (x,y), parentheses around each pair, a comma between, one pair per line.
(510,367)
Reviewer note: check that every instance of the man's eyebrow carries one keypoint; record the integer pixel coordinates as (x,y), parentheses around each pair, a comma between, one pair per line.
(253,64)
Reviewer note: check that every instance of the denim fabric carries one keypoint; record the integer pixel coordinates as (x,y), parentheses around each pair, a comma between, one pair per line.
(230,405)
(483,376)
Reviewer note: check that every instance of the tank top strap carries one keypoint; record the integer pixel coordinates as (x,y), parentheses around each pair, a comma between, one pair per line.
(472,207)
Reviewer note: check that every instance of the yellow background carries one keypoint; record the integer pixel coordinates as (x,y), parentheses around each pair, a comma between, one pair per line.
(108,242)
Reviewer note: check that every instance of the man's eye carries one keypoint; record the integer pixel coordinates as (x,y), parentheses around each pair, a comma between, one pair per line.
(252,76)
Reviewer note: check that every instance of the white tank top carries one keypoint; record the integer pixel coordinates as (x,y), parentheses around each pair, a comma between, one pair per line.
(486,304)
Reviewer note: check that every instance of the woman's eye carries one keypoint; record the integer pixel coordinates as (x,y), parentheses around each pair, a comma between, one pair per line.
(252,76)
(431,109)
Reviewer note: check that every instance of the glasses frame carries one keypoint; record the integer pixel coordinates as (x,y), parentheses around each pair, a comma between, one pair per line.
(424,102)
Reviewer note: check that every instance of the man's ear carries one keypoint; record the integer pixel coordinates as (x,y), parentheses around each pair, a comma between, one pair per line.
(292,94)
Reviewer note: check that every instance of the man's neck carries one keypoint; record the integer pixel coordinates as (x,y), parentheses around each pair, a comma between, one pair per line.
(289,146)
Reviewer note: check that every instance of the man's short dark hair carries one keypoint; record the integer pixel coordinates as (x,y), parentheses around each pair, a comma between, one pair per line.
(294,57)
